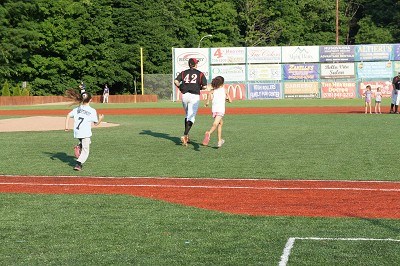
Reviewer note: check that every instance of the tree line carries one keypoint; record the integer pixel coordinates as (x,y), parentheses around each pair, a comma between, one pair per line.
(54,45)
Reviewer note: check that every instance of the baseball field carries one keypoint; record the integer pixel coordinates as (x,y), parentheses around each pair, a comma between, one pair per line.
(297,182)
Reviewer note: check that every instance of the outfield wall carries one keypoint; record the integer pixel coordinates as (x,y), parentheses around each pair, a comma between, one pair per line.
(33,100)
(333,71)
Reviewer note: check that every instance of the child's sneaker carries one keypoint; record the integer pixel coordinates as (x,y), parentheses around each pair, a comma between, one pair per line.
(220,143)
(78,166)
(206,139)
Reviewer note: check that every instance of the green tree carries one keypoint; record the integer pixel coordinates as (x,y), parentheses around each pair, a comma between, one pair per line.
(6,89)
(371,33)
(16,90)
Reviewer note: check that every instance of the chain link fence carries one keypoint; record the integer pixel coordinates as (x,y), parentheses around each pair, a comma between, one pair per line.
(158,84)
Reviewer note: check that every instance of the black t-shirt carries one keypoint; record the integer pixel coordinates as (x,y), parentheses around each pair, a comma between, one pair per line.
(396,83)
(192,80)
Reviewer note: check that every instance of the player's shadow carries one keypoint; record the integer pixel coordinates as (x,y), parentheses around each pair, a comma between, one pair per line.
(62,156)
(176,140)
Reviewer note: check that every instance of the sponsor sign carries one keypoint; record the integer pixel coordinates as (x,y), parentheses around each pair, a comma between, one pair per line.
(300,71)
(228,55)
(371,70)
(182,56)
(265,91)
(336,53)
(337,70)
(264,72)
(300,54)
(230,72)
(301,90)
(374,52)
(386,87)
(264,55)
(338,90)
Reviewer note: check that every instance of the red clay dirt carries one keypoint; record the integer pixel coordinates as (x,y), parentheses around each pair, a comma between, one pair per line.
(238,196)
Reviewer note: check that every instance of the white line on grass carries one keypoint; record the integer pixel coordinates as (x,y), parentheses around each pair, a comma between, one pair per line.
(290,243)
(214,179)
(195,186)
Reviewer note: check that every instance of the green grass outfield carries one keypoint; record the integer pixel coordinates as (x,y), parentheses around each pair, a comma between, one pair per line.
(245,103)
(125,230)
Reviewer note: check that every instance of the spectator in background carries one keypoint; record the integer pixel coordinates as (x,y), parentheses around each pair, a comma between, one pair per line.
(368,97)
(106,93)
(82,87)
(378,100)
(395,94)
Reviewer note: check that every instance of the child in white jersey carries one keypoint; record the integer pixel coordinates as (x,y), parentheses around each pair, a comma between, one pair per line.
(84,115)
(219,96)
(378,100)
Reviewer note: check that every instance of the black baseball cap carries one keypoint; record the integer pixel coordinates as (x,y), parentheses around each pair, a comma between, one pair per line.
(193,62)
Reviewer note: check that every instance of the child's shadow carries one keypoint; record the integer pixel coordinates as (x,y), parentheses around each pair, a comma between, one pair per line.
(176,140)
(62,156)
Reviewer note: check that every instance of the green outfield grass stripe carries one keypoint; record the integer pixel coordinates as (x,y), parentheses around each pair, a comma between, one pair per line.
(291,241)
(196,186)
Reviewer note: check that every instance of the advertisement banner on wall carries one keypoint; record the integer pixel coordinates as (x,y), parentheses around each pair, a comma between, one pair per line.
(264,55)
(230,72)
(301,90)
(181,60)
(300,54)
(336,53)
(374,52)
(300,71)
(337,70)
(265,91)
(264,72)
(396,52)
(396,68)
(228,55)
(386,87)
(237,91)
(370,70)
(338,90)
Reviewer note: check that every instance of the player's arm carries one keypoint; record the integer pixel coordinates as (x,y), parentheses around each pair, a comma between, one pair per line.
(227,97)
(101,117)
(178,80)
(67,123)
(209,94)
(177,83)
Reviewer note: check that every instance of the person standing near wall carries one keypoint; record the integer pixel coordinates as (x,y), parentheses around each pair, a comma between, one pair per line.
(368,99)
(190,82)
(378,100)
(395,94)
(106,93)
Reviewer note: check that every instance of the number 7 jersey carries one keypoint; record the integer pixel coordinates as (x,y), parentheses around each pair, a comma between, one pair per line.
(84,116)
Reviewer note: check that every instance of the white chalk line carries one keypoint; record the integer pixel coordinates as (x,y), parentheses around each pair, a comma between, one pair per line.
(290,243)
(196,186)
(210,179)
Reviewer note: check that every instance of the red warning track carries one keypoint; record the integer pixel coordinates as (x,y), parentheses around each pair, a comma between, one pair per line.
(251,197)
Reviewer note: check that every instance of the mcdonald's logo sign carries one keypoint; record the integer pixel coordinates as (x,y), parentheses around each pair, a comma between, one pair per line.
(236,91)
